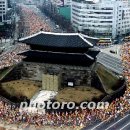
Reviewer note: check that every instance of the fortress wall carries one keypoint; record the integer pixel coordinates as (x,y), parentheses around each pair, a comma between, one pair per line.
(81,76)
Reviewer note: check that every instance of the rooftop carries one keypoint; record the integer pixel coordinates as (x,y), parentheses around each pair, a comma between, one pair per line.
(80,59)
(67,40)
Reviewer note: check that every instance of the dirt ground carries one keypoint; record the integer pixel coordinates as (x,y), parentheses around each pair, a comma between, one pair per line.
(19,88)
(78,94)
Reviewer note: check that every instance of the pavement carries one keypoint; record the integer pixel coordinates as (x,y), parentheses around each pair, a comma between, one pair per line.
(116,48)
(43,96)
(119,123)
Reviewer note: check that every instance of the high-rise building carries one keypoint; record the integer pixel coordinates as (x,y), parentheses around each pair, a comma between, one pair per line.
(108,18)
(3,10)
(58,2)
(66,2)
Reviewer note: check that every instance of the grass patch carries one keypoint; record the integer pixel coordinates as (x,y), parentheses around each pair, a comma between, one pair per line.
(79,94)
(20,88)
(109,81)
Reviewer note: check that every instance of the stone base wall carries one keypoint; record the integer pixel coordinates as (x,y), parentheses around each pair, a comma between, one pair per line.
(81,76)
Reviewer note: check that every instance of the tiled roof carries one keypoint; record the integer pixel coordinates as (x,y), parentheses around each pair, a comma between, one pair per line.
(59,58)
(65,40)
(92,40)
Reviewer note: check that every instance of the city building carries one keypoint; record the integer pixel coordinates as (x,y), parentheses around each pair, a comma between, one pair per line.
(3,10)
(59,7)
(65,11)
(58,2)
(66,2)
(101,18)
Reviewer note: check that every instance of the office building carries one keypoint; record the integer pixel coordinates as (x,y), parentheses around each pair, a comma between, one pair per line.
(101,18)
(3,10)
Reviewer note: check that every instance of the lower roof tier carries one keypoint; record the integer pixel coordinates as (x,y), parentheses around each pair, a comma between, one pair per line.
(61,49)
(80,59)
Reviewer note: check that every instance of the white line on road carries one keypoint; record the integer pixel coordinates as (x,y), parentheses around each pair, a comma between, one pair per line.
(125,126)
(117,121)
(100,123)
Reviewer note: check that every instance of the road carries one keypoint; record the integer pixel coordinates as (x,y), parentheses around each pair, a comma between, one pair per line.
(6,45)
(119,123)
(46,19)
(51,23)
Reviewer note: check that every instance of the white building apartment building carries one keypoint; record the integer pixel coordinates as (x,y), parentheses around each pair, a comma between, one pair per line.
(58,2)
(3,10)
(67,2)
(108,18)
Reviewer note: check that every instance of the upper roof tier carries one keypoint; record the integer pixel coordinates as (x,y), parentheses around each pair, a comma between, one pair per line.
(58,41)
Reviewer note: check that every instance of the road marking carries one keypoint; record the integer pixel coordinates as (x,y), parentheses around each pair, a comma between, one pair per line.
(117,121)
(100,123)
(125,126)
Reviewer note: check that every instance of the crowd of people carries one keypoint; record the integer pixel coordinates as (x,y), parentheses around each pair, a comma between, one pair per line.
(126,61)
(11,57)
(77,118)
(33,23)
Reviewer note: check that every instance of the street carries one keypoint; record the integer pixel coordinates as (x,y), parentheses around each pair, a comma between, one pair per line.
(115,123)
(46,19)
(6,45)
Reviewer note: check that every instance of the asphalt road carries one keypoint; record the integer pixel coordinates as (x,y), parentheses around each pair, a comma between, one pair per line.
(46,19)
(119,123)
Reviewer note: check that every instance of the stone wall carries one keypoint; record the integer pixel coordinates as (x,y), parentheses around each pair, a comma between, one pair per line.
(80,76)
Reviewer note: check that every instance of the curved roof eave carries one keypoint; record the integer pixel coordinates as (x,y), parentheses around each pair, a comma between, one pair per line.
(89,36)
(51,33)
(85,40)
(61,34)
